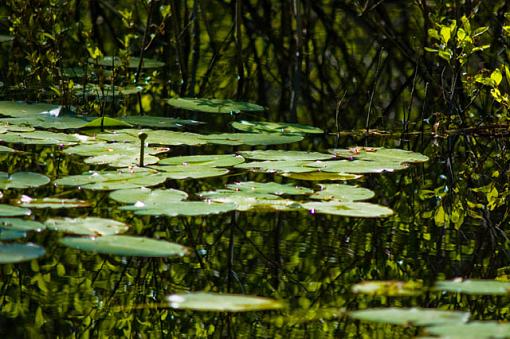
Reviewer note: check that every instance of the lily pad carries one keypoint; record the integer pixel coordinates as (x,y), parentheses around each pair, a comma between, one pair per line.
(474,330)
(148,196)
(216,160)
(158,122)
(13,211)
(43,138)
(411,316)
(106,122)
(474,286)
(49,122)
(380,154)
(126,245)
(14,253)
(275,127)
(389,288)
(5,149)
(22,109)
(16,224)
(357,166)
(282,155)
(133,62)
(225,106)
(22,180)
(154,137)
(293,166)
(341,192)
(86,226)
(26,201)
(216,302)
(251,139)
(189,172)
(348,209)
(113,180)
(11,234)
(245,201)
(321,176)
(269,187)
(176,208)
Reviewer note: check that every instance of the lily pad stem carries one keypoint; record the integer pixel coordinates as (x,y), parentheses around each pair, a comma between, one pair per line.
(142,136)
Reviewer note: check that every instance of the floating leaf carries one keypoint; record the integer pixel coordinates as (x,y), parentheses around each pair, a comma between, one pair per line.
(106,122)
(49,122)
(126,245)
(23,109)
(275,127)
(158,122)
(357,166)
(293,166)
(215,302)
(411,316)
(321,176)
(106,92)
(474,330)
(342,193)
(86,226)
(225,106)
(348,209)
(282,155)
(154,137)
(252,139)
(474,286)
(22,180)
(5,149)
(11,234)
(216,160)
(43,138)
(113,180)
(13,211)
(27,201)
(148,196)
(388,288)
(245,201)
(175,208)
(16,224)
(189,172)
(380,154)
(13,253)
(269,187)
(132,62)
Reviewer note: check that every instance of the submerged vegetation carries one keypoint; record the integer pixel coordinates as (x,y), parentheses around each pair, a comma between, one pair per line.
(340,165)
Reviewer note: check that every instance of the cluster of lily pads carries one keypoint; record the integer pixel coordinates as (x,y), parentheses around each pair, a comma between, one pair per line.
(131,154)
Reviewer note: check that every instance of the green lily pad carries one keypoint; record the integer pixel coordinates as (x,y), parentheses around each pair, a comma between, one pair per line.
(158,122)
(380,154)
(13,211)
(474,286)
(106,122)
(341,192)
(321,176)
(176,208)
(269,187)
(216,302)
(389,288)
(357,166)
(113,180)
(49,122)
(293,166)
(132,62)
(154,137)
(26,201)
(86,226)
(43,138)
(16,224)
(22,109)
(14,253)
(5,149)
(474,330)
(22,180)
(126,245)
(189,172)
(225,106)
(251,139)
(282,155)
(107,92)
(348,209)
(215,160)
(245,201)
(411,316)
(275,127)
(148,196)
(11,234)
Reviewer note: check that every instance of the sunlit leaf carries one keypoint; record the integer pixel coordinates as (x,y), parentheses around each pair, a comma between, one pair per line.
(472,330)
(189,172)
(148,196)
(244,200)
(13,253)
(348,209)
(225,106)
(252,139)
(22,109)
(113,180)
(158,122)
(154,137)
(342,193)
(176,208)
(11,234)
(13,211)
(411,316)
(293,166)
(132,62)
(474,286)
(269,187)
(17,224)
(106,122)
(215,160)
(26,201)
(86,226)
(42,138)
(380,154)
(282,155)
(275,127)
(216,302)
(321,176)
(126,245)
(22,180)
(357,166)
(388,288)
